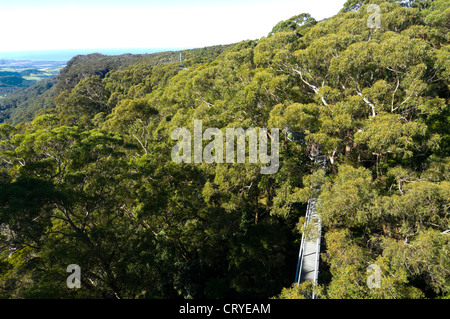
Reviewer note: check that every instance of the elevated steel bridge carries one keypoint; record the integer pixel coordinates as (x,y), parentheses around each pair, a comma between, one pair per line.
(309,253)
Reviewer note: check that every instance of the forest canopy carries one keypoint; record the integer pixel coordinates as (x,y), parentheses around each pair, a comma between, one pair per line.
(89,179)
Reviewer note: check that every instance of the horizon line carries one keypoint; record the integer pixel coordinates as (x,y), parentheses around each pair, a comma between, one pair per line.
(67,54)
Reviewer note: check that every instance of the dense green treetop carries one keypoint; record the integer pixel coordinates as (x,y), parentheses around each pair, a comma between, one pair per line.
(91,180)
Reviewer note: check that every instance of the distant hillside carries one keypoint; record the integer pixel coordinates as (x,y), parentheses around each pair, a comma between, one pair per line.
(22,104)
(14,81)
(9,73)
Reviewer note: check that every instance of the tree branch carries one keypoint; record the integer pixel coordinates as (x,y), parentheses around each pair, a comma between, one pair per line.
(372,106)
(313,87)
(393,97)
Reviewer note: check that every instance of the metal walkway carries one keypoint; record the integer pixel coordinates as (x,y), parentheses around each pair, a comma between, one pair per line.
(309,254)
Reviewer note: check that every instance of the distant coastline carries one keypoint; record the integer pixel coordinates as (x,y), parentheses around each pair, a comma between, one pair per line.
(66,55)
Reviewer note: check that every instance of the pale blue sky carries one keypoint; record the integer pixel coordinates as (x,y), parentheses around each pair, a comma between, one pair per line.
(28,25)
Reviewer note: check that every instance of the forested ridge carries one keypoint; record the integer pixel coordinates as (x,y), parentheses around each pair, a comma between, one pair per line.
(90,180)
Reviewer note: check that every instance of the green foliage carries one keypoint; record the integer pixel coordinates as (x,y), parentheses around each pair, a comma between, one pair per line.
(91,182)
(297,23)
(21,105)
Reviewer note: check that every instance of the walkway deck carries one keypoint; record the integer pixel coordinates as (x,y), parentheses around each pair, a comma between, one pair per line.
(309,254)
